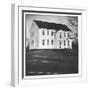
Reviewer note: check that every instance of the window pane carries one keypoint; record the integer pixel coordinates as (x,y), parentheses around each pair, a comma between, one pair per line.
(60,44)
(43,42)
(47,32)
(60,35)
(43,32)
(64,42)
(68,42)
(51,33)
(48,42)
(52,42)
(68,34)
(64,34)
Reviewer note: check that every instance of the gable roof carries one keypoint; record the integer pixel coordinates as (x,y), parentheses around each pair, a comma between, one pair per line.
(49,25)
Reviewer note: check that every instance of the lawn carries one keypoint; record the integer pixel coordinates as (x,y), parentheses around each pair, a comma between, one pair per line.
(49,62)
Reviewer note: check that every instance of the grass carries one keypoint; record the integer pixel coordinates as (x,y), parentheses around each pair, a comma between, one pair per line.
(59,61)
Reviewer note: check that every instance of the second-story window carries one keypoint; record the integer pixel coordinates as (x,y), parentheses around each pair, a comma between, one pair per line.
(51,33)
(68,34)
(43,32)
(60,35)
(64,34)
(47,32)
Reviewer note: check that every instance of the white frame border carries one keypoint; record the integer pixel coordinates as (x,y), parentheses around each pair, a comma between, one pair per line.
(16,74)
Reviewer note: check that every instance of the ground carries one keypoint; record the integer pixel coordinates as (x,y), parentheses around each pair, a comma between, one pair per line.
(49,62)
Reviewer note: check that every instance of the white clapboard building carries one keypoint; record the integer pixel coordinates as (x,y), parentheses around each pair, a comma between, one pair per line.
(47,35)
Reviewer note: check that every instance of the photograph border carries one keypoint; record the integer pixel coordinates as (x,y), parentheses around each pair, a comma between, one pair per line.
(24,13)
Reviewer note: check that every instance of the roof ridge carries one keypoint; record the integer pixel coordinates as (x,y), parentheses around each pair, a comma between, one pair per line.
(47,22)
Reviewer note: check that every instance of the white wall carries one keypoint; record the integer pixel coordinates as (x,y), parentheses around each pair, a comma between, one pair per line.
(45,37)
(5,43)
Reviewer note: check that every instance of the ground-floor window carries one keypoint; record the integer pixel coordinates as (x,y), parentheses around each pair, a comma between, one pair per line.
(43,42)
(68,42)
(64,42)
(47,41)
(52,42)
(60,44)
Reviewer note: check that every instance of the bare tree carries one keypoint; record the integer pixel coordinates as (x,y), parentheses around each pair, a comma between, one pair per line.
(73,25)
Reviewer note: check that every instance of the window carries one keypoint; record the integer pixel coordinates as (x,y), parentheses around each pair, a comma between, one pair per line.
(68,42)
(47,32)
(52,42)
(60,44)
(51,33)
(47,41)
(60,35)
(64,42)
(43,33)
(43,42)
(68,34)
(64,34)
